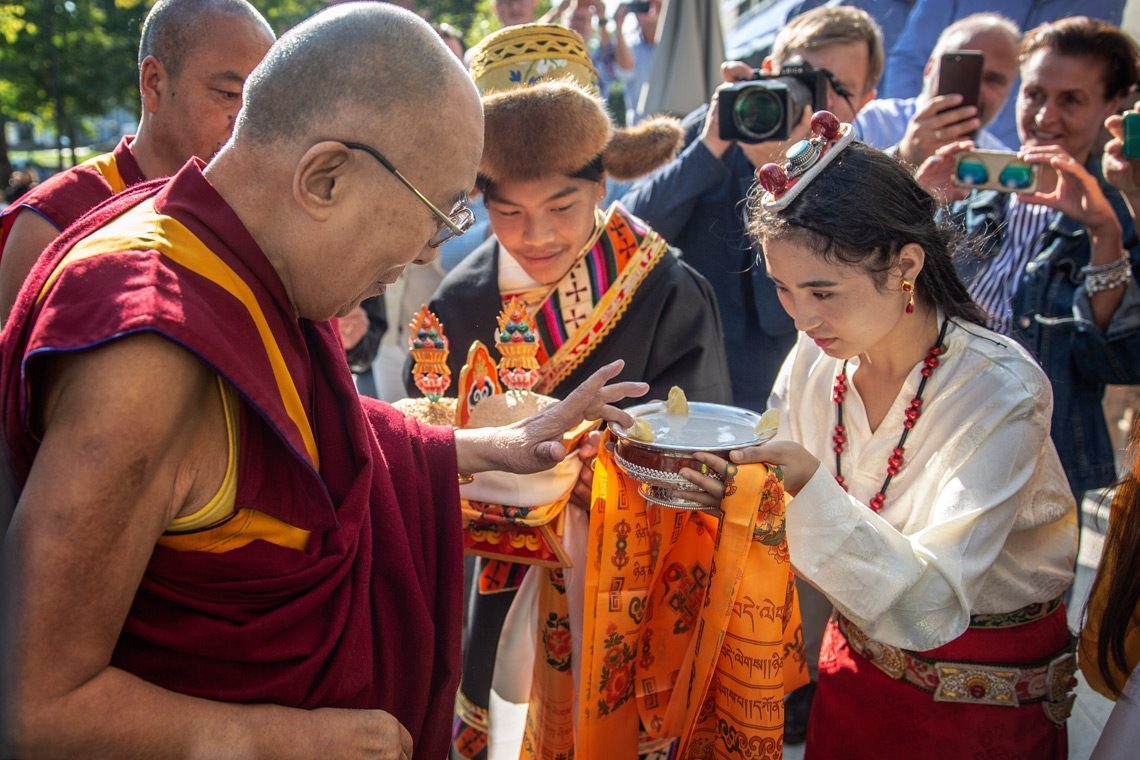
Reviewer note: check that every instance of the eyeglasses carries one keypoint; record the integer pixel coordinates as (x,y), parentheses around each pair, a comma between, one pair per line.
(452,225)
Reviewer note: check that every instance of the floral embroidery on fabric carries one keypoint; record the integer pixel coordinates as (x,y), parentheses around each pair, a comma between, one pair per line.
(556,642)
(617,672)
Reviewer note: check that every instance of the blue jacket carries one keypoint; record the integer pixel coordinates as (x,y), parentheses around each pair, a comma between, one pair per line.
(1052,318)
(696,202)
(929,18)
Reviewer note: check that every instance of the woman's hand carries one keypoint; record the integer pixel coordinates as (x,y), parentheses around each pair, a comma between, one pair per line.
(1121,172)
(792,463)
(1076,194)
(936,174)
(587,452)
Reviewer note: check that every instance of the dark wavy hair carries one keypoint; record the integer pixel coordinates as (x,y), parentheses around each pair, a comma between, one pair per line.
(1118,575)
(860,211)
(1085,37)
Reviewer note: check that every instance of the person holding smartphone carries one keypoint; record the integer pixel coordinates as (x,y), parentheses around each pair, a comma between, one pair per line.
(634,53)
(1055,268)
(914,128)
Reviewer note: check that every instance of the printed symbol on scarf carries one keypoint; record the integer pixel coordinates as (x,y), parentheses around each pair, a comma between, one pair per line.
(647,660)
(620,556)
(556,642)
(789,598)
(615,593)
(683,593)
(654,548)
(617,672)
(637,609)
(746,606)
(795,648)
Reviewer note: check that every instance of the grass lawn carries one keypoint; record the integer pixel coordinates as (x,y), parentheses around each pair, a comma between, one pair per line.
(47,158)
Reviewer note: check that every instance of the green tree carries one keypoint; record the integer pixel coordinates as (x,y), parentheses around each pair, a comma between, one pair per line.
(65,60)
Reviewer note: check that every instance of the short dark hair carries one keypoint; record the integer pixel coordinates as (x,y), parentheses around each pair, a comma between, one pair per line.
(1089,38)
(869,232)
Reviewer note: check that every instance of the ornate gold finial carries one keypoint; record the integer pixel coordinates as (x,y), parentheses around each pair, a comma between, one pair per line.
(517,342)
(429,349)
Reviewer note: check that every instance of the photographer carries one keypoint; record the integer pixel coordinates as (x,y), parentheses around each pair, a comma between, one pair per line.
(697,203)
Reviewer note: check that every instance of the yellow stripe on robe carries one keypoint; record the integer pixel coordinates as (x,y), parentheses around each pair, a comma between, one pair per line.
(244,527)
(109,168)
(142,228)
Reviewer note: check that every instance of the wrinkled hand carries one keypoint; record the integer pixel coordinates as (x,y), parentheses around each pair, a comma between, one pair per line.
(372,734)
(580,496)
(938,123)
(936,173)
(353,327)
(535,444)
(1076,194)
(1122,173)
(793,460)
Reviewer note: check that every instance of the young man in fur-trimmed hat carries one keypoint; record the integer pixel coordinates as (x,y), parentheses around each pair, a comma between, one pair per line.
(601,284)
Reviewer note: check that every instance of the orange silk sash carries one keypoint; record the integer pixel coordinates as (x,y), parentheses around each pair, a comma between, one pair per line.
(691,627)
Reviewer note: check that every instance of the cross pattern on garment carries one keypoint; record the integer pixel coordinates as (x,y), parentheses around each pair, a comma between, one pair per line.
(574,294)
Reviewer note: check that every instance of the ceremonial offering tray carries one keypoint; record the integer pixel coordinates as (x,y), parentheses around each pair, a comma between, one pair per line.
(656,464)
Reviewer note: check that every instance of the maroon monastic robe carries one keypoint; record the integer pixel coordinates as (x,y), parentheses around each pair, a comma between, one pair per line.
(365,611)
(64,197)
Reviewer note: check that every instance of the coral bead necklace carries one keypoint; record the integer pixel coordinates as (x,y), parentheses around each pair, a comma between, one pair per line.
(913,412)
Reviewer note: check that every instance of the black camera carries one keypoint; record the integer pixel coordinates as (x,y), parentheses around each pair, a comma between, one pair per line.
(768,106)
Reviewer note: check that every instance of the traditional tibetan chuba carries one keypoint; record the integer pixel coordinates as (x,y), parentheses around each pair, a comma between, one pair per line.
(806,159)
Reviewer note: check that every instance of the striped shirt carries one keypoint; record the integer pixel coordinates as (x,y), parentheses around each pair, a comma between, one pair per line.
(994,287)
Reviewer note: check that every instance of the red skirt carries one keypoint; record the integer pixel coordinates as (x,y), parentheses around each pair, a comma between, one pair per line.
(861,712)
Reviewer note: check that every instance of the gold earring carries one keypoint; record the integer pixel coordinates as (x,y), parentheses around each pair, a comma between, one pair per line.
(908,288)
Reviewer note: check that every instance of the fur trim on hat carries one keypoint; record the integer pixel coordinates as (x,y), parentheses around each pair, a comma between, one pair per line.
(638,150)
(557,127)
(547,128)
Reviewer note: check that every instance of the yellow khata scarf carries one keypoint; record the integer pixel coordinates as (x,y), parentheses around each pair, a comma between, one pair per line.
(692,629)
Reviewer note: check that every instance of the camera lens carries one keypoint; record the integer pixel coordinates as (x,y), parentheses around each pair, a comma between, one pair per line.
(758,113)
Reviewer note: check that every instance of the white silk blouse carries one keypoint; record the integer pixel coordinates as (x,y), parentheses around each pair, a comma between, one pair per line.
(980,519)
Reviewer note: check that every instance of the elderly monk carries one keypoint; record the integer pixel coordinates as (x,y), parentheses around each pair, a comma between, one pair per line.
(214,530)
(194,58)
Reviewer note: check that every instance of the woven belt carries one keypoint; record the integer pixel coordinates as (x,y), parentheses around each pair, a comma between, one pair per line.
(1049,681)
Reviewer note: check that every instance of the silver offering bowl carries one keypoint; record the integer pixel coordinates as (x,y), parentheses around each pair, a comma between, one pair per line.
(656,465)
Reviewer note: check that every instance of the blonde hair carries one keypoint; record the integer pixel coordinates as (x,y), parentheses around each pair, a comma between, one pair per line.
(828,26)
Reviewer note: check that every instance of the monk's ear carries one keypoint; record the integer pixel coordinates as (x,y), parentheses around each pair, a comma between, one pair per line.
(153,83)
(319,178)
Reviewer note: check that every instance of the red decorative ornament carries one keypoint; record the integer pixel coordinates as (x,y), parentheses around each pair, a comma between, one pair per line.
(773,178)
(913,412)
(908,288)
(825,124)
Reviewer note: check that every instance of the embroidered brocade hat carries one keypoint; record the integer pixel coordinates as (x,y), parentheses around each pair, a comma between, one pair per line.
(543,114)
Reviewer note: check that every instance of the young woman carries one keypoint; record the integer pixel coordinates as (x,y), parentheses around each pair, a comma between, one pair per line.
(930,505)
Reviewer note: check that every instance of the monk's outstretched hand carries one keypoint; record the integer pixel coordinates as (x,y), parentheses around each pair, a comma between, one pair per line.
(535,444)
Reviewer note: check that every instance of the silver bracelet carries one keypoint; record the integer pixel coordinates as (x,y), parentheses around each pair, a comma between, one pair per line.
(1120,263)
(1096,283)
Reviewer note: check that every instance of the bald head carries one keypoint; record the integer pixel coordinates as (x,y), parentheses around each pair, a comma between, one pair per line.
(352,62)
(173,28)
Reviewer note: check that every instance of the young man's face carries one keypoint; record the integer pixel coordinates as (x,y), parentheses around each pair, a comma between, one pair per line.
(544,223)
